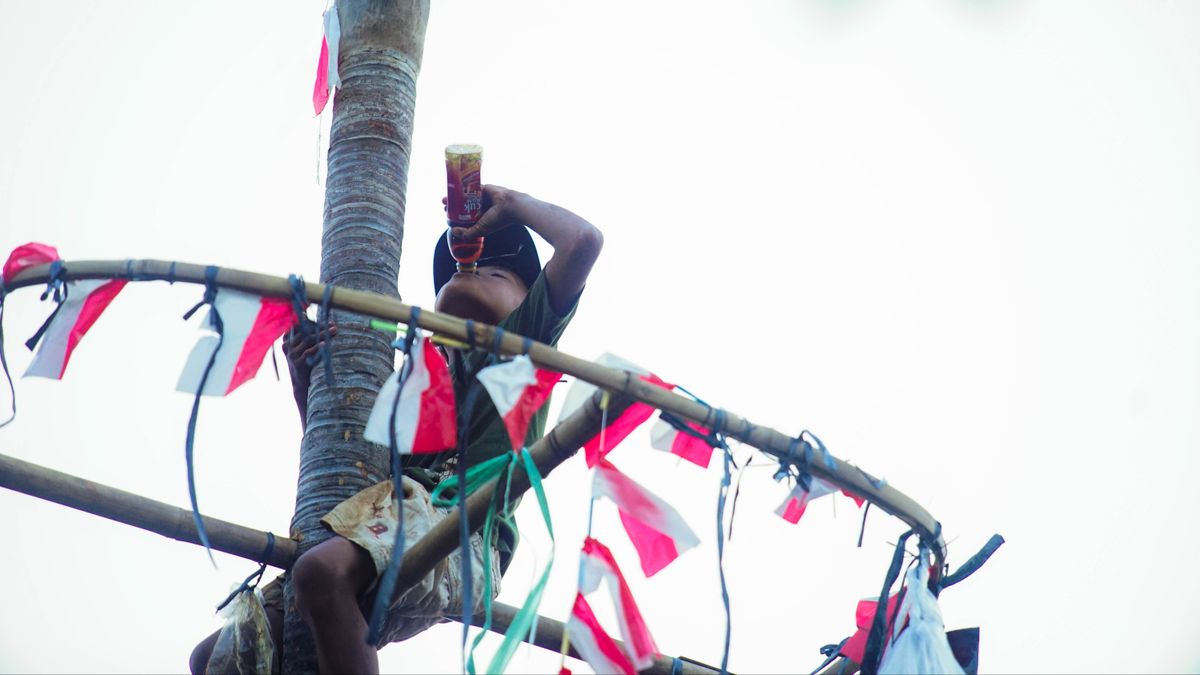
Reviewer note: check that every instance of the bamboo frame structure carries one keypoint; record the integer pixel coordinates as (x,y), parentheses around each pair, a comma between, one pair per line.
(768,440)
(171,521)
(249,543)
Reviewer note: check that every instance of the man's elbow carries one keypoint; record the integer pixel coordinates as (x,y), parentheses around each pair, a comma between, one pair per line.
(589,242)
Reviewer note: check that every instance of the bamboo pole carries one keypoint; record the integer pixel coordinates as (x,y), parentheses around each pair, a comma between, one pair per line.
(171,521)
(768,440)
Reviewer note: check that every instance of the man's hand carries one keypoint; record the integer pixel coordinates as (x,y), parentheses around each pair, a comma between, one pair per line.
(576,242)
(298,347)
(499,205)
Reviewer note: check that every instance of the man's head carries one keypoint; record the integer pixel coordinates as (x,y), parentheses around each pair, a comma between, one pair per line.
(507,268)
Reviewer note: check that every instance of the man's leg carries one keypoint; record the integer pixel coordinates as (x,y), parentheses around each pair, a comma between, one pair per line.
(327,582)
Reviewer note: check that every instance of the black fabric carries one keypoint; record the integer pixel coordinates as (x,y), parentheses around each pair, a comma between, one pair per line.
(511,248)
(964,644)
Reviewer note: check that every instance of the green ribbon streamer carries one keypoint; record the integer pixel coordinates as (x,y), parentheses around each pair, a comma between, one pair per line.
(477,476)
(523,624)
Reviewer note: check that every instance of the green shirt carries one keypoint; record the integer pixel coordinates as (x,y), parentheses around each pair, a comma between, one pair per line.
(487,436)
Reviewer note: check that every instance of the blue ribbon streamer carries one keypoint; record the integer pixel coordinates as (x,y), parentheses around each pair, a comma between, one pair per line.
(387,584)
(214,317)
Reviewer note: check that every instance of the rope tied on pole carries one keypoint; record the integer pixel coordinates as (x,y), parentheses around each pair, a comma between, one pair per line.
(214,319)
(324,354)
(387,583)
(255,577)
(55,287)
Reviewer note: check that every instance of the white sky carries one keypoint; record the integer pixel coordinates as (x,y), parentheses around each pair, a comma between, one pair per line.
(956,239)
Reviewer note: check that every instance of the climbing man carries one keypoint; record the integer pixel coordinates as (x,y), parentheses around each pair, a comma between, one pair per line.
(334,583)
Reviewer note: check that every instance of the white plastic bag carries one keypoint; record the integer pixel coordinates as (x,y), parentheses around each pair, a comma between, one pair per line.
(244,645)
(921,646)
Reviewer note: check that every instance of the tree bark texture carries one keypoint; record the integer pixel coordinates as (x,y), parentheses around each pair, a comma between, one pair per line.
(369,149)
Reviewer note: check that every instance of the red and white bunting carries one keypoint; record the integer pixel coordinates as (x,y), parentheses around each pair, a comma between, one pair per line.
(28,255)
(425,418)
(593,644)
(86,301)
(597,564)
(797,500)
(667,438)
(327,65)
(517,389)
(656,529)
(251,324)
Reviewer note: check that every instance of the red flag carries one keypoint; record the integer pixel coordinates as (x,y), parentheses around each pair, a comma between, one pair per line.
(518,390)
(664,436)
(86,301)
(593,644)
(251,324)
(597,564)
(797,500)
(620,428)
(425,418)
(28,255)
(327,65)
(656,529)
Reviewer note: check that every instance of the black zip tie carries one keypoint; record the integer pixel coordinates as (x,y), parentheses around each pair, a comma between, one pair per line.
(464,524)
(737,490)
(55,287)
(971,565)
(323,352)
(721,495)
(275,363)
(830,652)
(497,338)
(256,575)
(830,462)
(862,530)
(214,317)
(300,304)
(387,583)
(171,273)
(471,333)
(682,426)
(129,268)
(12,392)
(788,461)
(875,639)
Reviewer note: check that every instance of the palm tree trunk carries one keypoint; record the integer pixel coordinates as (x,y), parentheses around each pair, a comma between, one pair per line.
(369,149)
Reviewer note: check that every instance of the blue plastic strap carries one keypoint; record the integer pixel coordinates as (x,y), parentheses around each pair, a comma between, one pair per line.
(210,295)
(875,639)
(720,553)
(251,581)
(387,584)
(323,353)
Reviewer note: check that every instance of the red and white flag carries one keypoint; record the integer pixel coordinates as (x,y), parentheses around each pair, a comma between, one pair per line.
(327,64)
(593,644)
(518,390)
(667,438)
(28,255)
(596,565)
(620,427)
(251,324)
(86,301)
(656,529)
(425,419)
(797,500)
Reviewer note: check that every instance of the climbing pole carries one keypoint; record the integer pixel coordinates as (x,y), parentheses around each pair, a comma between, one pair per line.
(802,458)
